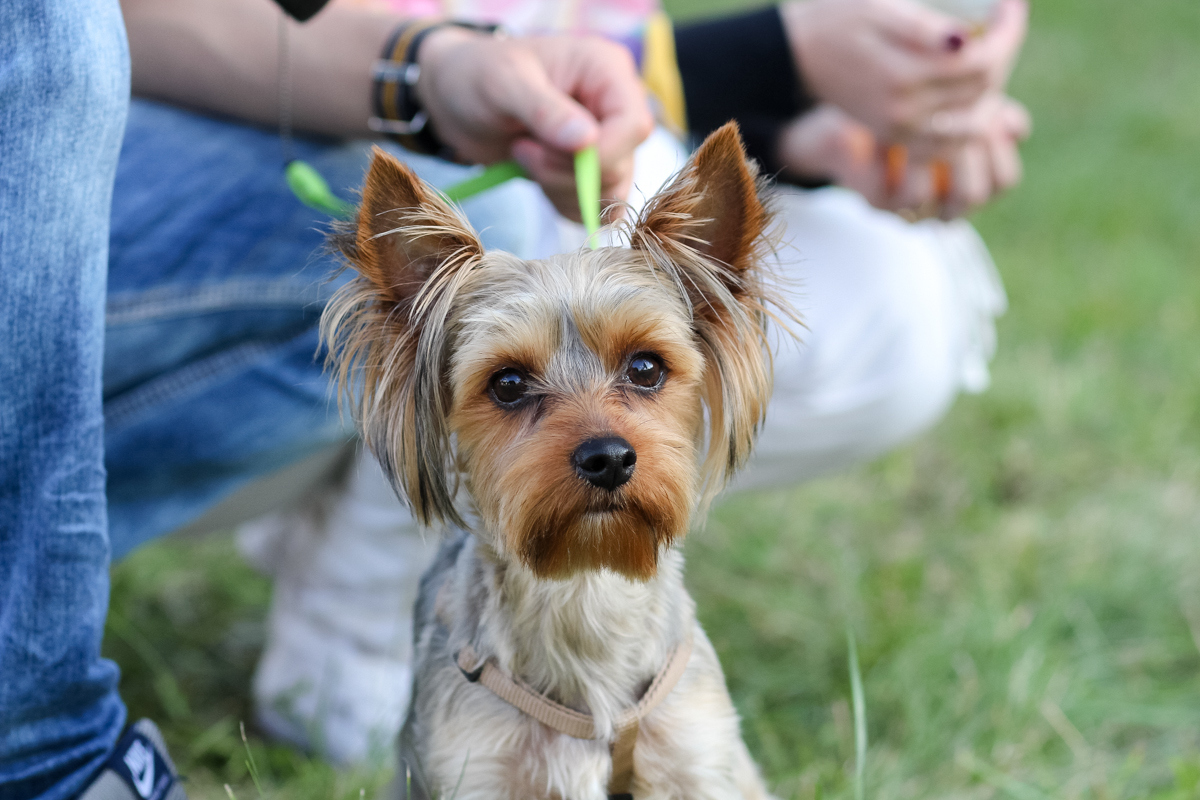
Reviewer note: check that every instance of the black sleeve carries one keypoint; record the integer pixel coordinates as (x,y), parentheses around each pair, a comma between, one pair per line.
(302,10)
(740,67)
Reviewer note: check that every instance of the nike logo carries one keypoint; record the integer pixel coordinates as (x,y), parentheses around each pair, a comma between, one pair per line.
(140,760)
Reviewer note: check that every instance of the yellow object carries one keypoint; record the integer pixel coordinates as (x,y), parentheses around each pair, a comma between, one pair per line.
(660,72)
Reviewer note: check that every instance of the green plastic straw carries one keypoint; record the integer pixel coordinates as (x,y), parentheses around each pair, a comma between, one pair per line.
(490,178)
(587,182)
(312,190)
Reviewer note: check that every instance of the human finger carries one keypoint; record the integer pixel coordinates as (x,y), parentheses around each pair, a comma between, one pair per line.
(1005,162)
(943,132)
(554,171)
(971,185)
(1016,119)
(916,195)
(918,27)
(926,87)
(1002,40)
(556,180)
(608,85)
(521,89)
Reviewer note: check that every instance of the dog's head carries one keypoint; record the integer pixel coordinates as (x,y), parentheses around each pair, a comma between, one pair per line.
(590,402)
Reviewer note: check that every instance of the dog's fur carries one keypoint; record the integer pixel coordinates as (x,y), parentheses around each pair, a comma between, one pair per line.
(575,589)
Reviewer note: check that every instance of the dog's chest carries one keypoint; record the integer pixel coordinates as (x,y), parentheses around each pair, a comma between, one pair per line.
(523,760)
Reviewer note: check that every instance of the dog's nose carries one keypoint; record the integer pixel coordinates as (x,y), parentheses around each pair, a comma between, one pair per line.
(606,462)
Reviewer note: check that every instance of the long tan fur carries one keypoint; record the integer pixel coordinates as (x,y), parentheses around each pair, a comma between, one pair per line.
(710,231)
(386,330)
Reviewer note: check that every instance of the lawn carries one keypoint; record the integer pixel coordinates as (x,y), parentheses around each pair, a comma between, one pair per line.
(1023,582)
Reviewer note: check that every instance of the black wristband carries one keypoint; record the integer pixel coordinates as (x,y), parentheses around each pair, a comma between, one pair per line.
(398,111)
(738,67)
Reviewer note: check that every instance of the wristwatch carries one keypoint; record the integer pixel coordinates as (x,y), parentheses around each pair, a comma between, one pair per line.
(398,111)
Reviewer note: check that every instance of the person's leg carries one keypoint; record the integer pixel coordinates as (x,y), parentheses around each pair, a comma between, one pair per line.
(212,376)
(335,675)
(64,89)
(898,320)
(217,279)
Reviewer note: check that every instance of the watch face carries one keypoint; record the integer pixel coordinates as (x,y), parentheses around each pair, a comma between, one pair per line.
(976,11)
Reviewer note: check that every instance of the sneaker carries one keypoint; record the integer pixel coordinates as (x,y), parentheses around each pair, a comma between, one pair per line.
(335,676)
(138,769)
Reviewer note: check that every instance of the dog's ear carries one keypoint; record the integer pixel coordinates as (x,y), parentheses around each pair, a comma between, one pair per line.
(708,231)
(404,232)
(387,333)
(713,207)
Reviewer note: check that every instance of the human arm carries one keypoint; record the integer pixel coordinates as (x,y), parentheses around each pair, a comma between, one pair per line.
(912,75)
(488,98)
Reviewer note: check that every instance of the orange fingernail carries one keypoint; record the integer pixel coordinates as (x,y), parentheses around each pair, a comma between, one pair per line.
(895,161)
(943,180)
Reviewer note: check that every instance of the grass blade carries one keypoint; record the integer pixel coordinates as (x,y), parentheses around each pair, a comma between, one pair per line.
(250,765)
(860,716)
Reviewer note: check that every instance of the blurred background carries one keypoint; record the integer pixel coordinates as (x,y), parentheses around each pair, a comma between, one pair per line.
(1023,582)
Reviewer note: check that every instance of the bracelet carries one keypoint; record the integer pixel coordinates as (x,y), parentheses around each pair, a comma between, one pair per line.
(398,111)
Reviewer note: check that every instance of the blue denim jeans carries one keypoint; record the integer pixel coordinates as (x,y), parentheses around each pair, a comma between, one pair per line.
(217,278)
(64,90)
(200,372)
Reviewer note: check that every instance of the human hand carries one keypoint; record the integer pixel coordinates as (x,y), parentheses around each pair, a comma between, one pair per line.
(909,73)
(828,143)
(539,100)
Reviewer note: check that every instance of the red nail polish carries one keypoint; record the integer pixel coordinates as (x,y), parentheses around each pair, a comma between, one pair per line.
(955,42)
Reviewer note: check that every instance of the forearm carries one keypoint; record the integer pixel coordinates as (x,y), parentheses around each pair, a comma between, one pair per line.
(222,56)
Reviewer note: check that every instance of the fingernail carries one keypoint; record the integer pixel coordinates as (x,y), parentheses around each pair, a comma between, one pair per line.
(574,134)
(955,41)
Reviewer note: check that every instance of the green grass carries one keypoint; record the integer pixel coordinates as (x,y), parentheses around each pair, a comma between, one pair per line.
(1023,582)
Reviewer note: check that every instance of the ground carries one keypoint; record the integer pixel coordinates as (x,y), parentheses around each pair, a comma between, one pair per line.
(1023,582)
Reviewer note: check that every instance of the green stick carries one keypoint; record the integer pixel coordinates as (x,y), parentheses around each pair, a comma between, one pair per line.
(312,190)
(490,178)
(587,183)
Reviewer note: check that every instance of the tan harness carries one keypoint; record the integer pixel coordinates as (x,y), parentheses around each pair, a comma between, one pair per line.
(576,724)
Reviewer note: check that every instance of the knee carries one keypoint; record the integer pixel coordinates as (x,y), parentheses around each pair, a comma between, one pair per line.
(72,59)
(881,357)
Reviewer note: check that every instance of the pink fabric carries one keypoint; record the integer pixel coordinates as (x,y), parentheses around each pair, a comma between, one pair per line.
(608,17)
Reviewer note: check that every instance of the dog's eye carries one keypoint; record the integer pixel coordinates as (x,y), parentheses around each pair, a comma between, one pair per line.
(646,370)
(508,386)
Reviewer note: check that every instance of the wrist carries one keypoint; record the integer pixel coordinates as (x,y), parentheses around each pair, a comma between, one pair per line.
(402,86)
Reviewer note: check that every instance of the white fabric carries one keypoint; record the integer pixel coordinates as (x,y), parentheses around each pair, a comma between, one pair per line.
(899,319)
(335,674)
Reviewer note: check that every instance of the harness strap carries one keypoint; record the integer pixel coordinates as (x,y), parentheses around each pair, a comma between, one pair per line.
(521,696)
(576,724)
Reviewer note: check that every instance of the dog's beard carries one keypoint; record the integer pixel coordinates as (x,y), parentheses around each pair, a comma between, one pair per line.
(566,527)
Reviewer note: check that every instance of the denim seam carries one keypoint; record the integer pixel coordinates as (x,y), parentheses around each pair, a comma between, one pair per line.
(168,301)
(187,380)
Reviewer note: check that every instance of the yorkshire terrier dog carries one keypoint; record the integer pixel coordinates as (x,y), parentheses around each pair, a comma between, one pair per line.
(567,418)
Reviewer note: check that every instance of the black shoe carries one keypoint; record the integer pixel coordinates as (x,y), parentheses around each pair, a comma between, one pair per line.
(138,769)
